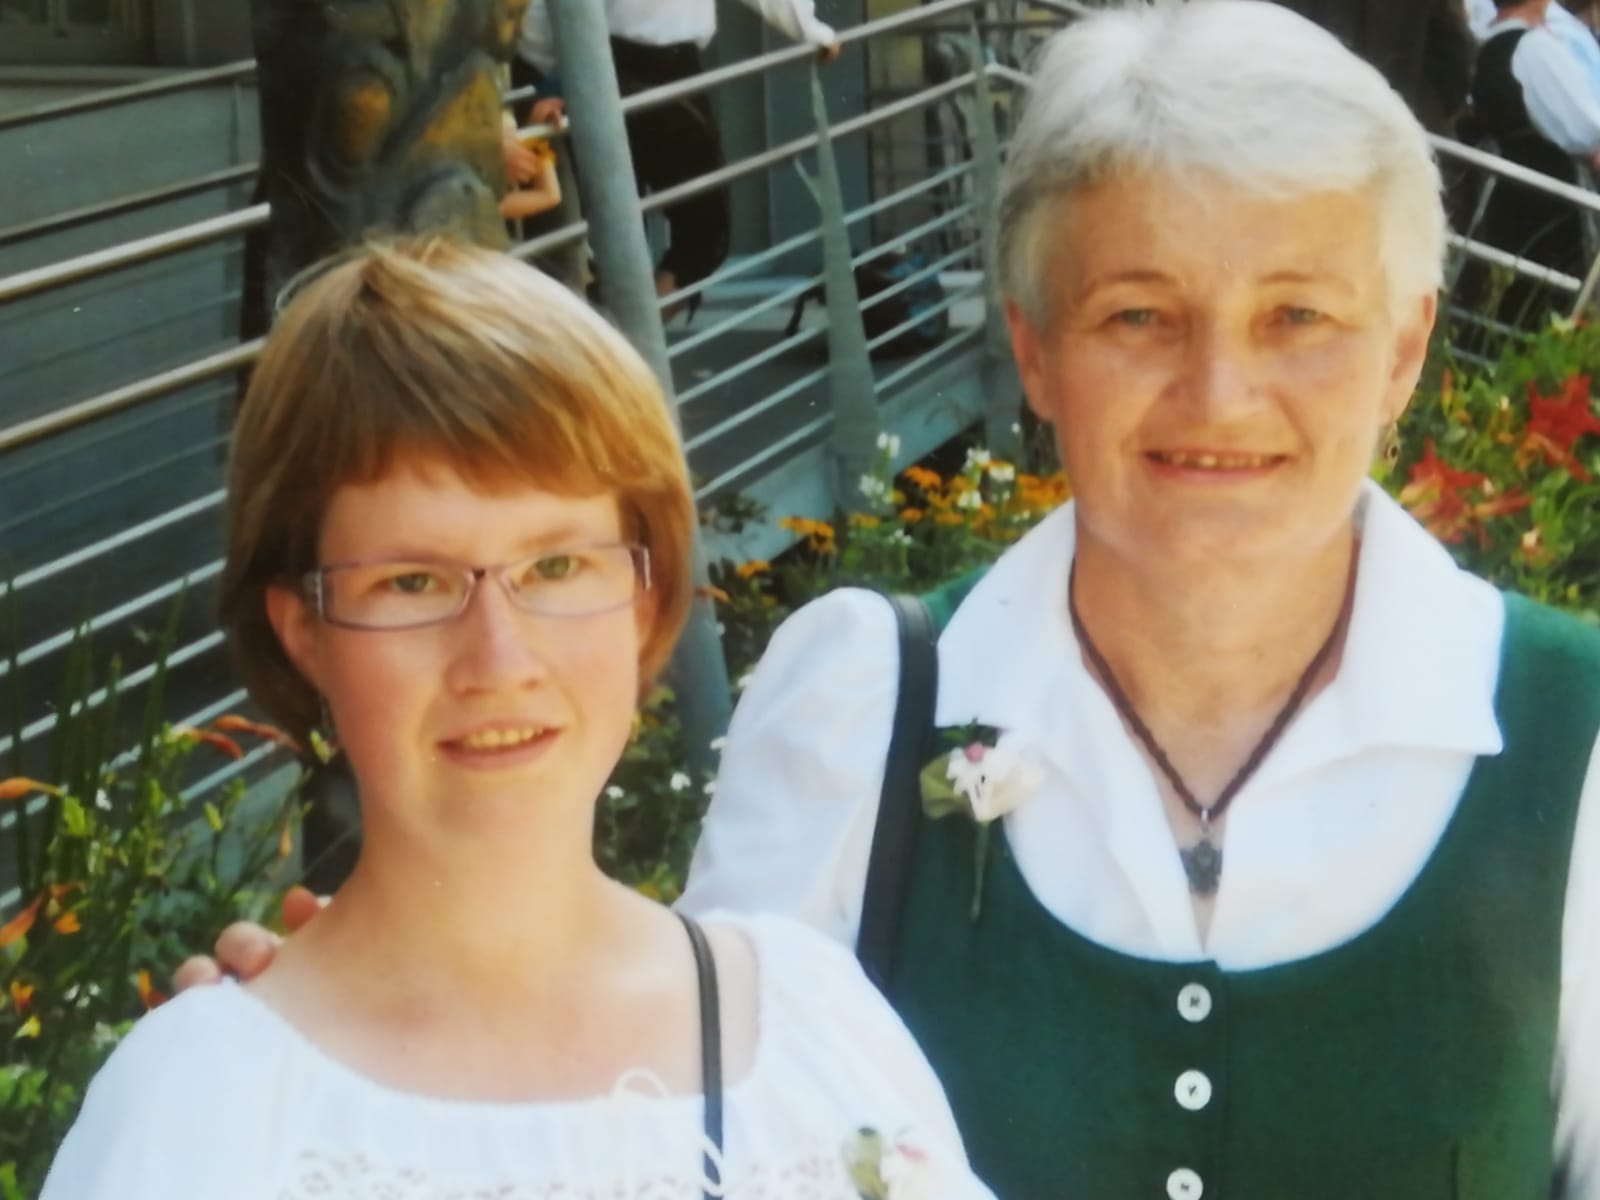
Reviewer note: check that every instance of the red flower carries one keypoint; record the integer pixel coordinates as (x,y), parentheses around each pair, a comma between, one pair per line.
(1434,494)
(1556,423)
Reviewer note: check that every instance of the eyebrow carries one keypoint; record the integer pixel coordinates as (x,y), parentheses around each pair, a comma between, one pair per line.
(563,536)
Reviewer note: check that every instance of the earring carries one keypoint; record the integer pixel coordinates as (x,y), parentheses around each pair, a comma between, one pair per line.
(323,738)
(1389,445)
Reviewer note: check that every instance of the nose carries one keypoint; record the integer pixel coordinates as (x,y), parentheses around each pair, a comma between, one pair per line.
(1221,380)
(496,646)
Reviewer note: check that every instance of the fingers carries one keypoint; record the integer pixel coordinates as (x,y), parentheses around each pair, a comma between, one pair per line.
(246,949)
(829,52)
(299,906)
(198,971)
(547,111)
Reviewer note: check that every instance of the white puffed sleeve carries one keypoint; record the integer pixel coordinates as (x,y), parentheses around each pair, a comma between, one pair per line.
(796,18)
(790,827)
(162,1119)
(1578,1045)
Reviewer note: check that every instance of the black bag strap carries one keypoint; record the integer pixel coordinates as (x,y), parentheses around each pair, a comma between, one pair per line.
(894,835)
(705,967)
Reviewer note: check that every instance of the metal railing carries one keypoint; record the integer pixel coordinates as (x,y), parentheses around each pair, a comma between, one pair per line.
(760,410)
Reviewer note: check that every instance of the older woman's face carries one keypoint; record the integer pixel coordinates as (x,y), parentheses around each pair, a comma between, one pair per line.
(472,727)
(1218,367)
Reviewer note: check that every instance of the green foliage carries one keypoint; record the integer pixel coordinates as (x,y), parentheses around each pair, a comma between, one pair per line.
(120,880)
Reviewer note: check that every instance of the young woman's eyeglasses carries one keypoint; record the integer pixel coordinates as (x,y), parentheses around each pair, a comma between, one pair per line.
(573,582)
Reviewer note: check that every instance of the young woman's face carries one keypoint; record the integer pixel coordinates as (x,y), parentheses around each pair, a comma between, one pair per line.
(476,723)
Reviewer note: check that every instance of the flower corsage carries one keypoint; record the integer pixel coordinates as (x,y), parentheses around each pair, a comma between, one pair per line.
(979,777)
(888,1168)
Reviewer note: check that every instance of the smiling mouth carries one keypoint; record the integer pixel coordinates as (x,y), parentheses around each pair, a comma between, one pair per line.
(1209,461)
(501,739)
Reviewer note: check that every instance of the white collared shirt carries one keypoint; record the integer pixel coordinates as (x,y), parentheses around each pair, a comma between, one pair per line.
(669,22)
(1560,84)
(1324,838)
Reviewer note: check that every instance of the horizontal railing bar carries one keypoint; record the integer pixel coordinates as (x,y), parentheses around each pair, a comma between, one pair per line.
(762,63)
(252,758)
(110,617)
(98,262)
(761,407)
(553,240)
(232,359)
(946,305)
(1010,74)
(1069,7)
(124,204)
(100,695)
(922,362)
(745,366)
(787,296)
(115,97)
(1521,266)
(122,538)
(809,429)
(797,146)
(1507,169)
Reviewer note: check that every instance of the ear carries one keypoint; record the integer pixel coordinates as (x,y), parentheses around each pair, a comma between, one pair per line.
(1412,331)
(1028,348)
(297,628)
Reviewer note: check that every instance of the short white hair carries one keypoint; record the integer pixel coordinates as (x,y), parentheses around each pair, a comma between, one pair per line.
(1244,91)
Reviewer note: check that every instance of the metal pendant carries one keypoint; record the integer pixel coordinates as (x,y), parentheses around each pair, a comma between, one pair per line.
(1202,863)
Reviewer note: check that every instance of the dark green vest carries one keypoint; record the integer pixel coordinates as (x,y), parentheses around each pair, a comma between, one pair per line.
(1411,1063)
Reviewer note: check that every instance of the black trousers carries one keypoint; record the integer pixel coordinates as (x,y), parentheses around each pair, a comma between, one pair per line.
(672,144)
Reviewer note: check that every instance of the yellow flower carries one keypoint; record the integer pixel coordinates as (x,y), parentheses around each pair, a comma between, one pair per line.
(30,1028)
(911,515)
(751,569)
(864,521)
(21,995)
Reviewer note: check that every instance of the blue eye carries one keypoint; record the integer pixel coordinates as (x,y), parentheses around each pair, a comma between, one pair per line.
(1295,315)
(1138,318)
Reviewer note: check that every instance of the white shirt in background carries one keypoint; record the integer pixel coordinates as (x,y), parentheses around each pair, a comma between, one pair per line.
(1563,99)
(669,22)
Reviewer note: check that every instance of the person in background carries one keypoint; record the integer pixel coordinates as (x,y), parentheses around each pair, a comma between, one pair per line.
(532,183)
(1423,47)
(653,43)
(1533,97)
(459,538)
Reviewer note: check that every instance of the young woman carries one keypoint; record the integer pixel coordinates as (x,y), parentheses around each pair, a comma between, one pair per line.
(458,542)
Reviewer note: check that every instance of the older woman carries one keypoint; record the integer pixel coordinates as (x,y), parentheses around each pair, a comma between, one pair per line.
(1304,897)
(459,531)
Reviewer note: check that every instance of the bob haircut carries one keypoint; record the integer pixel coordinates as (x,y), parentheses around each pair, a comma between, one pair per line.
(1243,91)
(436,352)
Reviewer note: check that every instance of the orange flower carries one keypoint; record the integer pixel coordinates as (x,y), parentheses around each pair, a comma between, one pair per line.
(215,740)
(17,787)
(921,477)
(864,521)
(911,515)
(148,996)
(68,923)
(21,995)
(751,569)
(232,723)
(17,928)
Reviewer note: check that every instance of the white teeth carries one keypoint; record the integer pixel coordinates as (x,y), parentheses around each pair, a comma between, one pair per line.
(499,739)
(1214,462)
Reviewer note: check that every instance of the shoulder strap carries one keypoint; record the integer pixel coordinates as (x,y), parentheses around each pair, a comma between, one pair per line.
(889,866)
(705,967)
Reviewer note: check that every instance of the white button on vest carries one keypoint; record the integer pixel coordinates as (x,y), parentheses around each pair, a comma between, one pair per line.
(1184,1184)
(1194,1002)
(1193,1090)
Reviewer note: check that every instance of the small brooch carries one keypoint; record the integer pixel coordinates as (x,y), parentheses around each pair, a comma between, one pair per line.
(980,778)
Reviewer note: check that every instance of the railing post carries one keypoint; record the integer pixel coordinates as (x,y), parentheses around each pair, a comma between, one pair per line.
(852,391)
(599,138)
(1001,409)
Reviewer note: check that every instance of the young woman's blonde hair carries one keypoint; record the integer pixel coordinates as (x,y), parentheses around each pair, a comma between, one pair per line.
(437,352)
